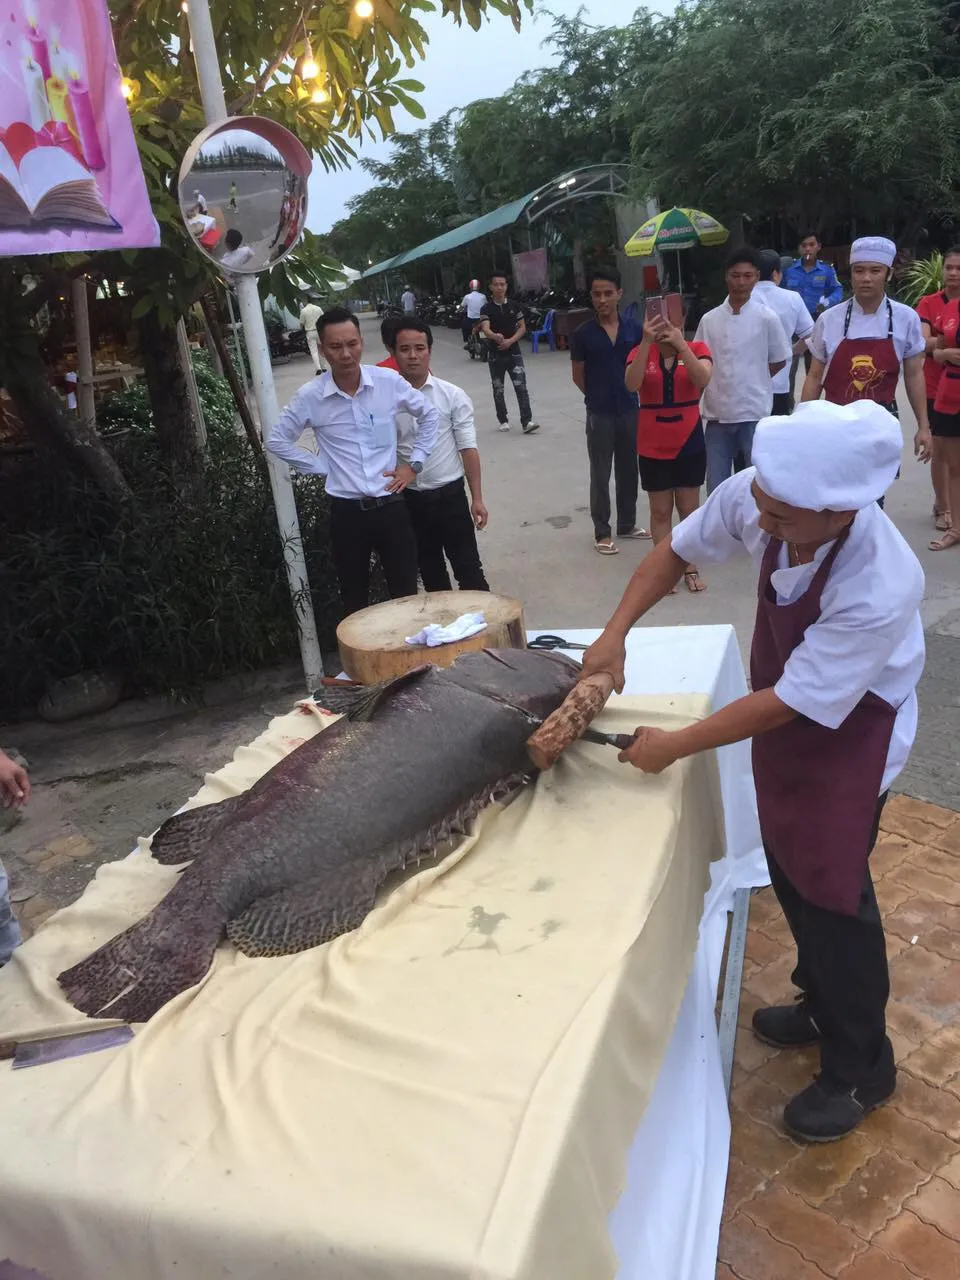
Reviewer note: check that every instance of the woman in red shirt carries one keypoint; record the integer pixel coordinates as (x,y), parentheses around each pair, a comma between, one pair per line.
(670,374)
(933,310)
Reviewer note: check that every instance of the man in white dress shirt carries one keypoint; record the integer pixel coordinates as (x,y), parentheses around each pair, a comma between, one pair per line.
(795,320)
(748,348)
(837,652)
(408,300)
(352,411)
(861,347)
(310,313)
(444,522)
(471,305)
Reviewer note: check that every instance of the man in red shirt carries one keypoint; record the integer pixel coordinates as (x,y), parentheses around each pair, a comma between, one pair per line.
(388,336)
(933,311)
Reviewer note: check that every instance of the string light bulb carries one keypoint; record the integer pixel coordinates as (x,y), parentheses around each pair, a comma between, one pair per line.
(126,88)
(363,9)
(309,69)
(185,7)
(319,95)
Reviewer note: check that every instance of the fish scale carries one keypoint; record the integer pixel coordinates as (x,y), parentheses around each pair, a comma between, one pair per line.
(300,857)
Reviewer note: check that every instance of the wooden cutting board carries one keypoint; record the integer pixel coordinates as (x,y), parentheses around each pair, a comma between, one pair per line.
(371,641)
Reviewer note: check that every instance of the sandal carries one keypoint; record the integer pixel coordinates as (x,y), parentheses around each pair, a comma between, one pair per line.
(693,582)
(950,538)
(636,532)
(941,520)
(606,547)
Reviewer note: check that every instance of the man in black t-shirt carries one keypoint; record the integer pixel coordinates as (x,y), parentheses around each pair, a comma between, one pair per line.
(503,325)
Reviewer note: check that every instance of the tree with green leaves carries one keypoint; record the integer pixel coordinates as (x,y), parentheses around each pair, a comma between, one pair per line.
(833,113)
(329,76)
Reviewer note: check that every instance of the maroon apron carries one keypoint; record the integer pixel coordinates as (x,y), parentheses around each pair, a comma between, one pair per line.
(864,368)
(817,788)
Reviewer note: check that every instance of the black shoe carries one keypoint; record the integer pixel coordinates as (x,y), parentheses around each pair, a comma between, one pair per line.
(786,1026)
(826,1111)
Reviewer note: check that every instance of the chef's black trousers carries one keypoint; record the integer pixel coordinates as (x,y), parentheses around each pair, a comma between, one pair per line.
(443,525)
(842,971)
(359,527)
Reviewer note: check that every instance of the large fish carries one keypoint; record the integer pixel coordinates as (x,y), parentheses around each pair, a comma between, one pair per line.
(299,857)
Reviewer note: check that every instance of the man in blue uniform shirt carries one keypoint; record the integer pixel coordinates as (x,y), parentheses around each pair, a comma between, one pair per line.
(815,281)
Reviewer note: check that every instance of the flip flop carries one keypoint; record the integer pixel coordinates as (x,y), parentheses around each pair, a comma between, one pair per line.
(606,547)
(692,577)
(950,538)
(636,532)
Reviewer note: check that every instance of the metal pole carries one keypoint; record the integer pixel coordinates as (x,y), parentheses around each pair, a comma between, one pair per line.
(258,353)
(196,408)
(81,324)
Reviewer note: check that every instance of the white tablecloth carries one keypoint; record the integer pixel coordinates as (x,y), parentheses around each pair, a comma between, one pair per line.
(667,1222)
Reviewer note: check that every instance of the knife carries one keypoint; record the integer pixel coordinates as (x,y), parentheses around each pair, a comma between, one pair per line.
(619,740)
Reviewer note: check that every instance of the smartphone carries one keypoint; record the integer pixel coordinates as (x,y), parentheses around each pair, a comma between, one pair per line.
(665,306)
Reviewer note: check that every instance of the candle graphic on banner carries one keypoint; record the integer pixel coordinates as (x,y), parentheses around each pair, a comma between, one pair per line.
(58,97)
(35,84)
(59,66)
(38,46)
(86,124)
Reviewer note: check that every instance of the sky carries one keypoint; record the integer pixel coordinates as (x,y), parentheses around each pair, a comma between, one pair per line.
(461,66)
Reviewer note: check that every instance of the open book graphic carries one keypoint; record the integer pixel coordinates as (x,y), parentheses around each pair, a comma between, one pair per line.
(49,186)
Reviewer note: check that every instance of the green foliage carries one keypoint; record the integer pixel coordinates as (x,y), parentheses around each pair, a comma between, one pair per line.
(921,278)
(171,592)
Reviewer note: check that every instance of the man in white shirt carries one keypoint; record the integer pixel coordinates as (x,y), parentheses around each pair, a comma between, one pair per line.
(408,300)
(444,523)
(310,313)
(748,348)
(471,305)
(237,255)
(860,347)
(837,652)
(795,320)
(352,411)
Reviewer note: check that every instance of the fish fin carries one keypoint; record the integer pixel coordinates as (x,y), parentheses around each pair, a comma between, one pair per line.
(359,702)
(137,972)
(302,916)
(185,835)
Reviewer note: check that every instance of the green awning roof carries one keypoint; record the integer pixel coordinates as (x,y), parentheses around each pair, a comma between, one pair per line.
(485,225)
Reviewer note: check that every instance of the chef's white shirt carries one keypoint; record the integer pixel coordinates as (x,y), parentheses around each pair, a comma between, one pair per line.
(234,259)
(868,637)
(743,346)
(473,302)
(795,320)
(356,436)
(828,331)
(456,431)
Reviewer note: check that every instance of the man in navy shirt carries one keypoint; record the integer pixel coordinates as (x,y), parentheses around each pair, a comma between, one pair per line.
(599,351)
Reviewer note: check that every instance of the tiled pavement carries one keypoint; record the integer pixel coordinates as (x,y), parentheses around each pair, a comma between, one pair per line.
(885,1203)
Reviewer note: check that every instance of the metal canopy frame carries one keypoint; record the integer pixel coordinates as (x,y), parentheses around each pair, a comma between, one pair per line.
(584,183)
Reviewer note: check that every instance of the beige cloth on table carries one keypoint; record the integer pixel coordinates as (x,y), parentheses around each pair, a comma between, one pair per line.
(450,1091)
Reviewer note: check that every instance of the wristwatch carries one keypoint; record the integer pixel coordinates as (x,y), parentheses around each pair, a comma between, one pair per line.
(416,467)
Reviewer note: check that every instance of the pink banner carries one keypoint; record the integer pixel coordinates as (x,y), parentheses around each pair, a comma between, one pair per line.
(70,176)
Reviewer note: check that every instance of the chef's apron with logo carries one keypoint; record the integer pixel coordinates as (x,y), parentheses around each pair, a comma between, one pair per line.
(864,368)
(817,788)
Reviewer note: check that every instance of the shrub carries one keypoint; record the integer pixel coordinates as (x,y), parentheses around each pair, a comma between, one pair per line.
(172,592)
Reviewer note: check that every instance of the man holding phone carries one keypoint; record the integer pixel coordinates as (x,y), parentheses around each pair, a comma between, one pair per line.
(599,350)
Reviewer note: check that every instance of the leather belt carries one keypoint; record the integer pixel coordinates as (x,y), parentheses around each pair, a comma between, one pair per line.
(370,504)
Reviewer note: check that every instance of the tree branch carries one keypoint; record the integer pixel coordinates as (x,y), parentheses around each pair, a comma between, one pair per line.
(247,100)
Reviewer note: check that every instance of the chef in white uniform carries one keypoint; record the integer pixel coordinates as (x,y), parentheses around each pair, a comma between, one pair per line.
(837,653)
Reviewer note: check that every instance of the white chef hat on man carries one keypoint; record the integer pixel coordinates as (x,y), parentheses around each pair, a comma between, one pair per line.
(873,249)
(828,457)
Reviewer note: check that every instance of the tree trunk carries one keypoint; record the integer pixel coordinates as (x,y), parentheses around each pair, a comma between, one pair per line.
(43,416)
(170,401)
(230,373)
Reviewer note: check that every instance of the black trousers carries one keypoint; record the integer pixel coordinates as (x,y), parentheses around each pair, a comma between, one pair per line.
(355,534)
(612,443)
(842,971)
(509,365)
(443,526)
(807,358)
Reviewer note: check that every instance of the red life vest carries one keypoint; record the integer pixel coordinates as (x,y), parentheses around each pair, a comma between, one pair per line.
(669,404)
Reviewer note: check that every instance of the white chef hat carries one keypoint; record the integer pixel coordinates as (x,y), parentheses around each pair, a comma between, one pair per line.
(828,457)
(873,249)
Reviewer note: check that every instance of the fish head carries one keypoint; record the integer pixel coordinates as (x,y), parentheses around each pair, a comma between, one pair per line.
(533,681)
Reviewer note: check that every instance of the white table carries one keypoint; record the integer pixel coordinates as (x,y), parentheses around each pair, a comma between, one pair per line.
(667,1222)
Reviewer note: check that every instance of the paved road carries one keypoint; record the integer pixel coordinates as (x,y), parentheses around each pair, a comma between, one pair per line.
(539,545)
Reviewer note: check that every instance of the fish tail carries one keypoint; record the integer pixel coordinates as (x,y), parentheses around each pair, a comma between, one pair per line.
(138,971)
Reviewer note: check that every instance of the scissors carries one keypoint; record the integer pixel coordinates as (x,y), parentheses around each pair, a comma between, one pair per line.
(555,642)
